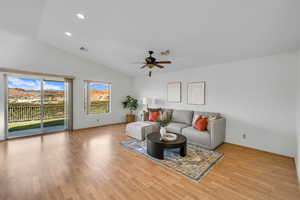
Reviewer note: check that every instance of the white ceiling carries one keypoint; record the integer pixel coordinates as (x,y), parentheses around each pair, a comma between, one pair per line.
(198,32)
(21,16)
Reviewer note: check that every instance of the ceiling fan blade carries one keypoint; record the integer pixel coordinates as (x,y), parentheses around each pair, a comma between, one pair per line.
(159,66)
(143,66)
(137,63)
(163,62)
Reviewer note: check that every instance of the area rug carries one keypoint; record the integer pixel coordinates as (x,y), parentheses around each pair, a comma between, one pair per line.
(194,165)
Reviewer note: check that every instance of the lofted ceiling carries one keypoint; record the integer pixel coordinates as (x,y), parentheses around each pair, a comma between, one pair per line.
(22,17)
(198,33)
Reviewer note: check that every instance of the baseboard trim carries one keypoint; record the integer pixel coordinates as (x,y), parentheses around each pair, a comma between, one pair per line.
(104,125)
(60,131)
(246,147)
(35,135)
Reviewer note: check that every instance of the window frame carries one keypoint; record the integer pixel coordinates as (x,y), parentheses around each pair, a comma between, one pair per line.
(87,99)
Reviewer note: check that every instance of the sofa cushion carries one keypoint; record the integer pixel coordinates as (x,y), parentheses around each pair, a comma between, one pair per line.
(209,115)
(155,126)
(196,137)
(175,127)
(140,129)
(152,123)
(182,116)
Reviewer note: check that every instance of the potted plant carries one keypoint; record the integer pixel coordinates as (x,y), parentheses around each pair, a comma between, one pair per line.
(163,123)
(131,104)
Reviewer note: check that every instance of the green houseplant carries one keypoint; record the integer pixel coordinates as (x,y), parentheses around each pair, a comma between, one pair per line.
(163,123)
(131,104)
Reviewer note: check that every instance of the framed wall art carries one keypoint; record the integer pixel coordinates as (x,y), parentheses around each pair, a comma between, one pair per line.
(196,93)
(174,92)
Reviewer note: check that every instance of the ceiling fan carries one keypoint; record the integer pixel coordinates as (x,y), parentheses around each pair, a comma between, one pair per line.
(151,62)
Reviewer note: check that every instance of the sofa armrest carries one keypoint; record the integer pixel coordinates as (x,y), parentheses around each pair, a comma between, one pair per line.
(217,129)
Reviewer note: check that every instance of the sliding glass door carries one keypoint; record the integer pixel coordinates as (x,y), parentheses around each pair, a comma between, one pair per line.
(35,105)
(24,105)
(53,105)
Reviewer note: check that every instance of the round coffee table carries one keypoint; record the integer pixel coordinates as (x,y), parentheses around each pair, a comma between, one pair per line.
(156,147)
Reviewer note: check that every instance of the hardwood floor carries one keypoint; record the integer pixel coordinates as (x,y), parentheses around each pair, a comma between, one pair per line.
(90,164)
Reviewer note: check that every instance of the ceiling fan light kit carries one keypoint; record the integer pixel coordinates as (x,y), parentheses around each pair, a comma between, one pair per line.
(165,53)
(151,62)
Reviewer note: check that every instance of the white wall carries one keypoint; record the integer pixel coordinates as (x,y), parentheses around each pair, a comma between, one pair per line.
(297,158)
(22,53)
(257,97)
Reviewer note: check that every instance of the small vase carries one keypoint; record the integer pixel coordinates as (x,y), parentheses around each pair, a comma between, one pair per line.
(163,131)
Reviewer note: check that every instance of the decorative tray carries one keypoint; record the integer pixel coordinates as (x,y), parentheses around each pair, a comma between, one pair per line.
(169,137)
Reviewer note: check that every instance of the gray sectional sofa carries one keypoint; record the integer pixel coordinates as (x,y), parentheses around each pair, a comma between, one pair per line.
(181,123)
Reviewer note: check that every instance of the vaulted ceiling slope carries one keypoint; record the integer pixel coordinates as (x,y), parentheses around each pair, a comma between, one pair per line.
(117,33)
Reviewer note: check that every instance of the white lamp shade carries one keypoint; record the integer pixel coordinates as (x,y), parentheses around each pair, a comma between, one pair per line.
(154,101)
(146,100)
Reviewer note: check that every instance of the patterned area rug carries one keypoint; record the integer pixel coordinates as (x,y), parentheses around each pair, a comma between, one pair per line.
(194,165)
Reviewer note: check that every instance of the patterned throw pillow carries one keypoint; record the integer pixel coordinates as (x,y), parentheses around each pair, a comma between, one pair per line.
(146,116)
(165,114)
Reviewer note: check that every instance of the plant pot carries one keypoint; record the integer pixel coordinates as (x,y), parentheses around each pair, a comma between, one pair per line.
(162,131)
(130,118)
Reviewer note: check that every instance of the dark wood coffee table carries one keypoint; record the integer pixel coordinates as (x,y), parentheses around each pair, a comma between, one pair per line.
(156,147)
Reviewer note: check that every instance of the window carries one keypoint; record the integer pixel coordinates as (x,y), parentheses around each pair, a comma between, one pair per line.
(97,97)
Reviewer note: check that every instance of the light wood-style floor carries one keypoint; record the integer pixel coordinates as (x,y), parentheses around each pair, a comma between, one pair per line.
(90,164)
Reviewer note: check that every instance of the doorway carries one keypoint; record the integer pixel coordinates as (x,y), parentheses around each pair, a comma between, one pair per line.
(36,105)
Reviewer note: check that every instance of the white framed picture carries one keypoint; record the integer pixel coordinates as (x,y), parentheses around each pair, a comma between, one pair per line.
(174,92)
(196,93)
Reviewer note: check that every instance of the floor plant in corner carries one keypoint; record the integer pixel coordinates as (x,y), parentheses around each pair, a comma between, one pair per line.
(131,104)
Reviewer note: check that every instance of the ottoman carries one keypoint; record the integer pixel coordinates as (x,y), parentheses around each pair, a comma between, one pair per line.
(139,130)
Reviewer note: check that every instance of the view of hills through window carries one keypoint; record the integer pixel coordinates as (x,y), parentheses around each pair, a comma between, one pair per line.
(98,97)
(27,90)
(25,100)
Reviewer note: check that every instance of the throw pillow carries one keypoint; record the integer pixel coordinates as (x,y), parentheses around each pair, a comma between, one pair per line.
(154,109)
(153,116)
(161,116)
(146,116)
(201,124)
(196,116)
(165,115)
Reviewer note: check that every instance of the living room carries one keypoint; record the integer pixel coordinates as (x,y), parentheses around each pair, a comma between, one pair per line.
(245,56)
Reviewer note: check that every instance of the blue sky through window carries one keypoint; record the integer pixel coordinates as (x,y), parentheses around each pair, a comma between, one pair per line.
(54,85)
(99,86)
(34,84)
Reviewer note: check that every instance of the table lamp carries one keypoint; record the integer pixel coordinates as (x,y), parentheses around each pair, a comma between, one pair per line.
(146,101)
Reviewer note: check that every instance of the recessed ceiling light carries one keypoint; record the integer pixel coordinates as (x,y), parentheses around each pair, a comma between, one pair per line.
(68,34)
(80,16)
